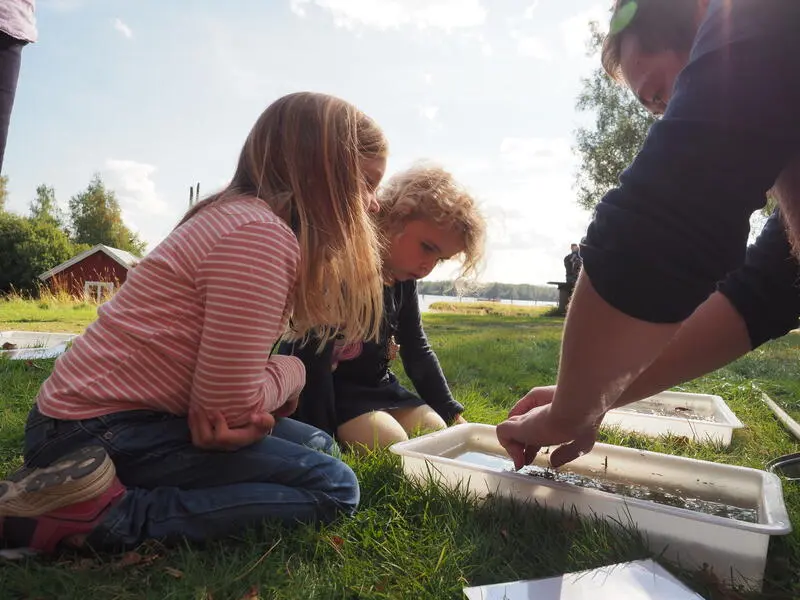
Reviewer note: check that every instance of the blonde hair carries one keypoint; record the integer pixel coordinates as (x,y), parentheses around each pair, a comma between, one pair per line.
(429,192)
(303,159)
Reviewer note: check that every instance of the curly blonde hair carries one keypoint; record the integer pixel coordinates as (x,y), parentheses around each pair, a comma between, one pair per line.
(429,192)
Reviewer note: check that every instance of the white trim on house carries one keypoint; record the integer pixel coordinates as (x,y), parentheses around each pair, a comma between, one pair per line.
(99,287)
(126,259)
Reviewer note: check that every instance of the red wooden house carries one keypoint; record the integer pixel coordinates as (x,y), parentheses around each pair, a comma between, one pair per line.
(95,273)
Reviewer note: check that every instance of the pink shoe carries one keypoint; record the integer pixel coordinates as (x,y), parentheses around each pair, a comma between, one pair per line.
(41,507)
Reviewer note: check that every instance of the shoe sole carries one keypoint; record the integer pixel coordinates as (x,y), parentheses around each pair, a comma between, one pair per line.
(79,476)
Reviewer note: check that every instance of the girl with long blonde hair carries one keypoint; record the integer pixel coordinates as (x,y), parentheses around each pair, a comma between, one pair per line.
(167,418)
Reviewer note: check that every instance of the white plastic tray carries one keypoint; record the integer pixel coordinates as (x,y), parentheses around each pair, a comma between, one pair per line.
(34,344)
(735,550)
(716,420)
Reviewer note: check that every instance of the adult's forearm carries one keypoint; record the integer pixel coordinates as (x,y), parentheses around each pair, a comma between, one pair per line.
(712,337)
(603,352)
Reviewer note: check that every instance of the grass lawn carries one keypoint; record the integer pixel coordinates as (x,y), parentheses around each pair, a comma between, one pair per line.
(50,314)
(411,541)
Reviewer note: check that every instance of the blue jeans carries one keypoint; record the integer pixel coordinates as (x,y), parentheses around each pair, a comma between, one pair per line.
(177,491)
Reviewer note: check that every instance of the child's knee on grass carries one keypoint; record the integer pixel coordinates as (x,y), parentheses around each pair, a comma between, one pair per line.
(376,429)
(419,419)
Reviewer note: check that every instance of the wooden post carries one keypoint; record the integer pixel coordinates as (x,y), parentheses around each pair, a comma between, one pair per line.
(194,194)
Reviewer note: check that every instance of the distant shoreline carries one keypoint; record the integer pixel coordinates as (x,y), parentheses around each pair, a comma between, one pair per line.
(425,301)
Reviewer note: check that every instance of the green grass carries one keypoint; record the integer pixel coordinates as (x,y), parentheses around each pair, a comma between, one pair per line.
(47,314)
(420,541)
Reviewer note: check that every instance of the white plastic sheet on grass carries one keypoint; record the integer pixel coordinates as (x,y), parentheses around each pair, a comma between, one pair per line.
(639,580)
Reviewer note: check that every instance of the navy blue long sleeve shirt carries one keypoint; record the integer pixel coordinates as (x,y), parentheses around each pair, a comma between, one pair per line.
(765,290)
(679,220)
(364,382)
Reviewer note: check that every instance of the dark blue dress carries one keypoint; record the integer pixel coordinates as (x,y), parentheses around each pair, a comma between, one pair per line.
(363,381)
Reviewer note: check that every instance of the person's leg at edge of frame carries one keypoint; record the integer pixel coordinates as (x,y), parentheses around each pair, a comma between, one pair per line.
(10,60)
(221,493)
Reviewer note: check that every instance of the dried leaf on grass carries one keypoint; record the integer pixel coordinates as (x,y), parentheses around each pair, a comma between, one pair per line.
(173,572)
(252,594)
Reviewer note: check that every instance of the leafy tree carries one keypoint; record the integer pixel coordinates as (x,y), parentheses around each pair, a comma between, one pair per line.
(44,207)
(620,127)
(96,218)
(3,192)
(28,248)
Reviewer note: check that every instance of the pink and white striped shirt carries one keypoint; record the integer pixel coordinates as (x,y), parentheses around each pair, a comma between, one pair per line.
(193,324)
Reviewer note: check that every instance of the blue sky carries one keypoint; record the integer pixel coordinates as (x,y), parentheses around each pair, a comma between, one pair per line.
(157,95)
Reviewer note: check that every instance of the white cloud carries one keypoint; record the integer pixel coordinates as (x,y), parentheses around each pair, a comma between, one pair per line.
(535,220)
(477,36)
(133,184)
(533,47)
(536,154)
(120,26)
(231,59)
(525,192)
(532,215)
(575,29)
(140,202)
(428,78)
(387,14)
(429,112)
(528,14)
(298,8)
(531,223)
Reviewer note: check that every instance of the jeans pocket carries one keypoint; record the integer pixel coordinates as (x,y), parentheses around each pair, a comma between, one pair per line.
(37,420)
(136,433)
(39,430)
(47,439)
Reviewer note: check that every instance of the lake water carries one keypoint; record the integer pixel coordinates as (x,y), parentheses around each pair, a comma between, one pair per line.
(426,300)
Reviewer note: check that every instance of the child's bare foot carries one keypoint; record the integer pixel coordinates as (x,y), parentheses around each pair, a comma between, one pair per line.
(42,507)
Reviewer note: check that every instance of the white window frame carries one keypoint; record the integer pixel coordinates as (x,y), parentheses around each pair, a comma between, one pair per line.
(99,287)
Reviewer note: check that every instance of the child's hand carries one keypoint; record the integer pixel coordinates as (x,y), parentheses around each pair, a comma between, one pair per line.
(210,431)
(459,420)
(288,407)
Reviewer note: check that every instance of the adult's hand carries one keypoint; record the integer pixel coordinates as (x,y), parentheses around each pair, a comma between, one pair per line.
(532,424)
(520,452)
(210,430)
